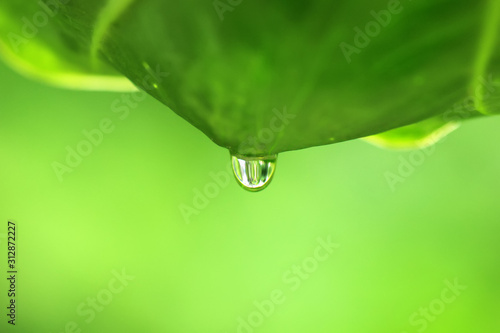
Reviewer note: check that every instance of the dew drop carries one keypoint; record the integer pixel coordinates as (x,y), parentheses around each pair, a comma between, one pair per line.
(254,173)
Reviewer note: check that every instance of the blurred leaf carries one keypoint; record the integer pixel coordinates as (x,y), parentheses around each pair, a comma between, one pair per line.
(32,43)
(340,70)
(418,135)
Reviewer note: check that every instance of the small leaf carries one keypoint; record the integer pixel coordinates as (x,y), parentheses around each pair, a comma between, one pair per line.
(419,135)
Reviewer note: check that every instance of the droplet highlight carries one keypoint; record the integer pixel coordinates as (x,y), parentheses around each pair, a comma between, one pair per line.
(254,173)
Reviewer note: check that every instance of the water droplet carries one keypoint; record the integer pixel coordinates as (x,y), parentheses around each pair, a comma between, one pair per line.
(254,173)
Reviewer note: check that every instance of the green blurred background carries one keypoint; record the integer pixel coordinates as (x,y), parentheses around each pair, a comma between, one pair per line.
(121,210)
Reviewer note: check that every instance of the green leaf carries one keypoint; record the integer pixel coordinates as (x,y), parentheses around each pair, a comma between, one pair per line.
(32,42)
(263,77)
(415,136)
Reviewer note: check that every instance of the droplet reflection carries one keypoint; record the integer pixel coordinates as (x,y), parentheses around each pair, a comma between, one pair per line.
(254,173)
